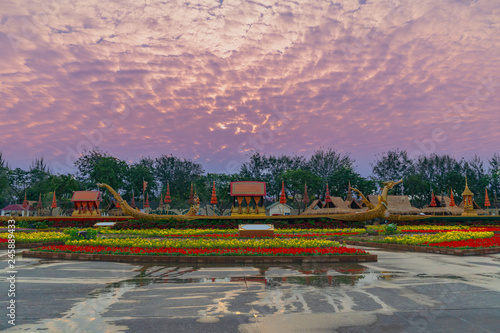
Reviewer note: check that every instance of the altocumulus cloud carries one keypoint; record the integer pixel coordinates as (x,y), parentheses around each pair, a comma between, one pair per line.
(214,80)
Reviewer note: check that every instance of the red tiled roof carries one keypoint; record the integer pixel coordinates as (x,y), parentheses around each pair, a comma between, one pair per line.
(86,196)
(248,188)
(16,207)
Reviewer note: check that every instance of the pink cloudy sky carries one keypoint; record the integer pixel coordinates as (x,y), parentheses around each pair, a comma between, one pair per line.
(215,80)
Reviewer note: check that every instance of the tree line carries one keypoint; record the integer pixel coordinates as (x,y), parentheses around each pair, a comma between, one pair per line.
(422,175)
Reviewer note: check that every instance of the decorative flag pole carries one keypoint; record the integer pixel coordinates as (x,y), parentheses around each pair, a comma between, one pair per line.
(443,203)
(191,196)
(349,195)
(39,205)
(305,199)
(144,186)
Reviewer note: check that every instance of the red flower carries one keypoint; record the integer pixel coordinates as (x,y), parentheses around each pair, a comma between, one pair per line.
(470,243)
(202,252)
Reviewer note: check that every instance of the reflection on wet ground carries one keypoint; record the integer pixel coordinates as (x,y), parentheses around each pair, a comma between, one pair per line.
(398,291)
(327,275)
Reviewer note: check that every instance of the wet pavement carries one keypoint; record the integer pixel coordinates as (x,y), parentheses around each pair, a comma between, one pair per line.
(402,292)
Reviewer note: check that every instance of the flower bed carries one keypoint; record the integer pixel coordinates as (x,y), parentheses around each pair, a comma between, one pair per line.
(227,223)
(470,243)
(437,238)
(36,237)
(205,244)
(469,229)
(231,233)
(436,228)
(175,251)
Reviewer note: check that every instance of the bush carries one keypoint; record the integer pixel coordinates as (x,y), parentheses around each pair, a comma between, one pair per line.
(390,229)
(76,234)
(40,225)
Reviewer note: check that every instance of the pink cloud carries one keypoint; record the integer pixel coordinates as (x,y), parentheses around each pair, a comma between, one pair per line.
(209,81)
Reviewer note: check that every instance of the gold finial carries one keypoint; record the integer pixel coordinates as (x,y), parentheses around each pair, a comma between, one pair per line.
(467,191)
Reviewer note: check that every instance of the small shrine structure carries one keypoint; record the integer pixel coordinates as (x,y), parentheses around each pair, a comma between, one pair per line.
(86,203)
(248,198)
(468,202)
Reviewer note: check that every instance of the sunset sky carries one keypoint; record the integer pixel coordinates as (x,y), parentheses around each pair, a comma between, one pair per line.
(213,81)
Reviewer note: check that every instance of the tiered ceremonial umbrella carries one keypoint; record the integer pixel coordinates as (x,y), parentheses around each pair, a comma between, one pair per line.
(452,199)
(25,202)
(132,202)
(167,199)
(433,201)
(213,200)
(487,203)
(283,196)
(54,202)
(327,198)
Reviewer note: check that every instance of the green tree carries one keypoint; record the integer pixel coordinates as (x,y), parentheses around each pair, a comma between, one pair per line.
(37,177)
(494,174)
(18,182)
(477,178)
(64,186)
(255,168)
(4,181)
(325,163)
(109,170)
(392,165)
(438,170)
(203,187)
(179,173)
(276,167)
(339,182)
(295,182)
(418,190)
(136,174)
(86,165)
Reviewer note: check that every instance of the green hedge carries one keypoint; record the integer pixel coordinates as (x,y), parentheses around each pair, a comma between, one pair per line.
(233,224)
(455,220)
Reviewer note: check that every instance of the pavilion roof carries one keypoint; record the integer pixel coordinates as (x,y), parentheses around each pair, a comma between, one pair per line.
(17,207)
(86,196)
(248,188)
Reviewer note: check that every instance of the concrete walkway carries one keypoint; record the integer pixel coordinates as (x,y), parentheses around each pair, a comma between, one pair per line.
(402,292)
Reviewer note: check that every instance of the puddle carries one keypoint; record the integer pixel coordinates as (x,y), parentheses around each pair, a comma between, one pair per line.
(328,275)
(329,279)
(84,316)
(444,276)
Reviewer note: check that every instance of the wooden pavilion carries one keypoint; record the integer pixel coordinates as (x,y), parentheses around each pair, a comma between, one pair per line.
(248,198)
(86,203)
